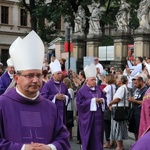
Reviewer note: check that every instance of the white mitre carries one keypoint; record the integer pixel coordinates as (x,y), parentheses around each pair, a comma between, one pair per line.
(9,62)
(14,44)
(90,71)
(55,66)
(29,54)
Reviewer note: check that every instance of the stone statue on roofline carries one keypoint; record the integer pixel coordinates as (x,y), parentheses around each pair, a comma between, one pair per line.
(143,14)
(94,19)
(123,16)
(80,21)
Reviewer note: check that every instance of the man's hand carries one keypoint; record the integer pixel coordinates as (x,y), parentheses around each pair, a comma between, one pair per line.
(131,99)
(33,146)
(127,58)
(45,147)
(36,146)
(98,70)
(99,100)
(60,97)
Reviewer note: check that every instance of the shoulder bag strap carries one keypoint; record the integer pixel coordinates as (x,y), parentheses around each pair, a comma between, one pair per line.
(111,92)
(123,99)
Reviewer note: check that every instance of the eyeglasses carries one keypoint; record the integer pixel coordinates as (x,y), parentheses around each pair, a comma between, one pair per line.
(31,76)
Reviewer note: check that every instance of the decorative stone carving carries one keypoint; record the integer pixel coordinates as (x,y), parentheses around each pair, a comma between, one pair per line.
(80,21)
(123,16)
(94,19)
(143,14)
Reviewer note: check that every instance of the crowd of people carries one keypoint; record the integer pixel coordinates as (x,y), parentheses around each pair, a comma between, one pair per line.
(42,101)
(130,85)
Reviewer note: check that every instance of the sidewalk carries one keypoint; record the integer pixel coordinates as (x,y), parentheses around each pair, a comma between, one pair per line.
(75,146)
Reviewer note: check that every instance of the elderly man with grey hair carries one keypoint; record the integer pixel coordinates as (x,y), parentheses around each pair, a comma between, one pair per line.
(91,102)
(7,77)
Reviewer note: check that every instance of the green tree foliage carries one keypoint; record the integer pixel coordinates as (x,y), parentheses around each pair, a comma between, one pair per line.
(40,10)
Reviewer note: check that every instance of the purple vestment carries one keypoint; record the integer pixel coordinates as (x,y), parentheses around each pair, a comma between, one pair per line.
(90,122)
(145,114)
(5,80)
(142,143)
(24,121)
(50,89)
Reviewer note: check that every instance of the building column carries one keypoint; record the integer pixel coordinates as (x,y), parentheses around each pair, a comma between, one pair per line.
(121,41)
(92,46)
(78,46)
(79,49)
(141,44)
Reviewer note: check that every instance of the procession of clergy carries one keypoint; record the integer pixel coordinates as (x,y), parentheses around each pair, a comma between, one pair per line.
(33,113)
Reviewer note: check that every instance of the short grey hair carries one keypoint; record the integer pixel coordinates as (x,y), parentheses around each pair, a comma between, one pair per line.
(123,79)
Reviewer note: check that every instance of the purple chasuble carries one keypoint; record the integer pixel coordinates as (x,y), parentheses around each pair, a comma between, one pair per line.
(50,89)
(5,80)
(142,143)
(90,122)
(145,114)
(24,121)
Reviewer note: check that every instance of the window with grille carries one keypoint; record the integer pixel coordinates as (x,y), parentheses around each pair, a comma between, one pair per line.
(4,14)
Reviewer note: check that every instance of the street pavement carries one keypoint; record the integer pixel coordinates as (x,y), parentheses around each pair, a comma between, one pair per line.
(75,146)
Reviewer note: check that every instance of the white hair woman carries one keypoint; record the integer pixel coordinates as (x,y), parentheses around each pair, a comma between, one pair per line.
(119,131)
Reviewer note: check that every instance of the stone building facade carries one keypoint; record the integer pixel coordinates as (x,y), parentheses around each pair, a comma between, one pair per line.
(13,23)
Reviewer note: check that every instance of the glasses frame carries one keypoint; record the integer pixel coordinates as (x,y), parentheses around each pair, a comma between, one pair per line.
(30,75)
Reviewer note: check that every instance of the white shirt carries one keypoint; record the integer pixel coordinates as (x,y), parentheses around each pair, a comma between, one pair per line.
(109,93)
(100,67)
(120,94)
(71,102)
(148,67)
(135,69)
(129,85)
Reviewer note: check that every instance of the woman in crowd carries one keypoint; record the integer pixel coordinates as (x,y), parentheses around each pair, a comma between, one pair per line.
(62,63)
(119,131)
(45,76)
(77,82)
(109,90)
(81,78)
(70,107)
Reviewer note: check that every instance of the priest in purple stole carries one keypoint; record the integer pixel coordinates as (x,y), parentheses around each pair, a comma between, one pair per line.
(28,120)
(56,91)
(91,103)
(6,80)
(7,77)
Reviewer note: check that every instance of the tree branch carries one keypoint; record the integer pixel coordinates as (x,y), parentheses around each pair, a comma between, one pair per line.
(108,6)
(26,5)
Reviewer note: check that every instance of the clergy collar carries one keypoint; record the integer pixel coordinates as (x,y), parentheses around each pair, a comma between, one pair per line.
(10,75)
(92,88)
(57,82)
(17,90)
